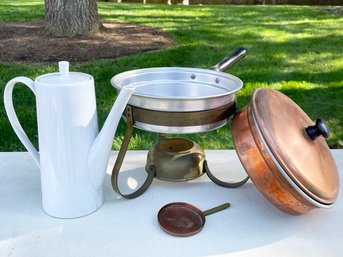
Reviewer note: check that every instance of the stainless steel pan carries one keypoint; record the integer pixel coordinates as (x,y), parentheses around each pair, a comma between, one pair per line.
(182,100)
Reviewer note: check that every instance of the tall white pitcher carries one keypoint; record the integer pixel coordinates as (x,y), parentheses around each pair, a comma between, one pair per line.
(72,155)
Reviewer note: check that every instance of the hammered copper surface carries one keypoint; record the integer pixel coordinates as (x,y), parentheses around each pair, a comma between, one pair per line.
(181,219)
(265,175)
(309,163)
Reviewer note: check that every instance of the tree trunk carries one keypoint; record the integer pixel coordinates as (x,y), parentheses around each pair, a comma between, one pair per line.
(71,17)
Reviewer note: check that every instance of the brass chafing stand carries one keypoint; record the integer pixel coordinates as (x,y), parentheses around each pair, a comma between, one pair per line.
(171,119)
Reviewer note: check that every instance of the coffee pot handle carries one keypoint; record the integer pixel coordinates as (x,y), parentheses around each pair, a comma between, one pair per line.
(8,102)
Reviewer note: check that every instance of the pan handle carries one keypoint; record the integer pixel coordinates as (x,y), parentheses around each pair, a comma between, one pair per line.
(229,60)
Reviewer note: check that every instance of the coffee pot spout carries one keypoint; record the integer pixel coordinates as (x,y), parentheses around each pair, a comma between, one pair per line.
(101,146)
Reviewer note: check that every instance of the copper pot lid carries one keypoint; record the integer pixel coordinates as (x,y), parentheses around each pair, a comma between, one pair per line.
(307,163)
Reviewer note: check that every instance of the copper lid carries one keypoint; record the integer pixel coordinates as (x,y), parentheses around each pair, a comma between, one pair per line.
(307,162)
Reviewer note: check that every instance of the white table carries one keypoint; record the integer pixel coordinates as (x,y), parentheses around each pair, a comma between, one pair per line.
(250,227)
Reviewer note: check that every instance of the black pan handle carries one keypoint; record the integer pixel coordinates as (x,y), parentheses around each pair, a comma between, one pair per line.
(320,128)
(229,60)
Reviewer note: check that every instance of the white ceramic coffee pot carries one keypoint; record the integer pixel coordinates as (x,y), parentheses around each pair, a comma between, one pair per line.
(72,156)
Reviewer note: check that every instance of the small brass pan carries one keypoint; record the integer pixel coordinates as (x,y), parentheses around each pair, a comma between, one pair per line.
(183,219)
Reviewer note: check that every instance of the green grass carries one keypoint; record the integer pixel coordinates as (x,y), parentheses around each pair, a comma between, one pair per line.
(295,49)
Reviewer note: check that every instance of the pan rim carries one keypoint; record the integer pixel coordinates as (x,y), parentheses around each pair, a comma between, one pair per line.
(115,81)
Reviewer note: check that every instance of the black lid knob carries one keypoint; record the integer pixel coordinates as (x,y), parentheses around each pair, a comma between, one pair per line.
(320,128)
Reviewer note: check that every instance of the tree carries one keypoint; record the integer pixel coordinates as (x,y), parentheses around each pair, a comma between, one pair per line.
(71,17)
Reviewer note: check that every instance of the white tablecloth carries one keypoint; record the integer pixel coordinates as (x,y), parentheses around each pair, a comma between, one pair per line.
(250,227)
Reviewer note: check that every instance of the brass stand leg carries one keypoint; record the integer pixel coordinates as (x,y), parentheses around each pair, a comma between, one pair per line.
(222,183)
(120,159)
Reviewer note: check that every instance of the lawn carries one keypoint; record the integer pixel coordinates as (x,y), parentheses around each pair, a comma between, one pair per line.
(295,49)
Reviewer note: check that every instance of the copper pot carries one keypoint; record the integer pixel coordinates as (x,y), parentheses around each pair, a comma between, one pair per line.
(284,154)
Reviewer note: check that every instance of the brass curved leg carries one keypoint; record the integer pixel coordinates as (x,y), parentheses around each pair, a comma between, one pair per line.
(120,159)
(222,183)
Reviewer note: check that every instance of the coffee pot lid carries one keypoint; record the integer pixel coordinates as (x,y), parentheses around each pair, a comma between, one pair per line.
(64,77)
